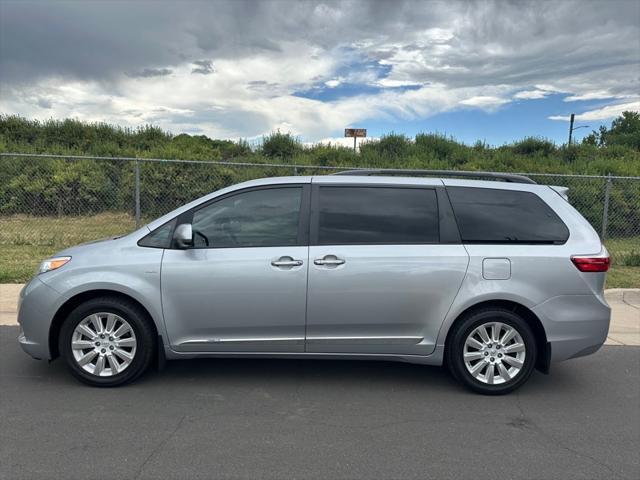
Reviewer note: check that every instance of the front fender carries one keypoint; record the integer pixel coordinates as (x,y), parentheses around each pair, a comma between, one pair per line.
(138,278)
(145,293)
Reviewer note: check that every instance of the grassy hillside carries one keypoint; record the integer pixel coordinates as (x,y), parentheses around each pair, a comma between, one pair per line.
(426,150)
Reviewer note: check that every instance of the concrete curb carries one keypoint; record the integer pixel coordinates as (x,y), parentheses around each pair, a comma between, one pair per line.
(9,303)
(624,302)
(625,316)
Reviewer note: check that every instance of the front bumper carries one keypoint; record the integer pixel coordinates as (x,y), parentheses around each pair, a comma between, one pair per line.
(576,325)
(37,305)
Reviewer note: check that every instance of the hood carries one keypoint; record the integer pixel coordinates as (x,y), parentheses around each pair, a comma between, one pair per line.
(70,251)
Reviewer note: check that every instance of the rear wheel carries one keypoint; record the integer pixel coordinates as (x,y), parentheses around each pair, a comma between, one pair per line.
(107,342)
(492,351)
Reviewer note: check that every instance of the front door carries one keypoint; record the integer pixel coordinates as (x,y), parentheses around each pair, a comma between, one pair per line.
(380,281)
(242,287)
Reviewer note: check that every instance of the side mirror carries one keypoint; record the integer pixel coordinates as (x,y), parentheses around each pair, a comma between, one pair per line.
(183,236)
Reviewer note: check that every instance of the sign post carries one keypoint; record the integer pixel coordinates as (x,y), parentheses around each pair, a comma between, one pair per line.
(355,133)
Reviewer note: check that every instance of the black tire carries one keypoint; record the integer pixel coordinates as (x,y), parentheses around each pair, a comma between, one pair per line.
(139,322)
(465,326)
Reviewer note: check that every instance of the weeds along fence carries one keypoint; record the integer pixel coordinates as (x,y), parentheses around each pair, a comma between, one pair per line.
(47,199)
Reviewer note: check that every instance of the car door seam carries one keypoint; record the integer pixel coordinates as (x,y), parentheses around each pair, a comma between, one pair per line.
(446,316)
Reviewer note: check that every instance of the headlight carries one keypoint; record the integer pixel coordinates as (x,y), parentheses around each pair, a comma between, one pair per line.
(53,264)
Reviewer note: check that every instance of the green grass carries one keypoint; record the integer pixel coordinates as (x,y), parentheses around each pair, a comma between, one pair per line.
(18,263)
(623,277)
(25,241)
(625,269)
(62,232)
(624,251)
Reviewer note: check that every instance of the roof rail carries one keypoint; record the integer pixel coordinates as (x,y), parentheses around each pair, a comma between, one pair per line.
(507,177)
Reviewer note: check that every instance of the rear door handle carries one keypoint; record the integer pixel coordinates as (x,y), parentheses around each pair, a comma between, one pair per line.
(286,262)
(330,260)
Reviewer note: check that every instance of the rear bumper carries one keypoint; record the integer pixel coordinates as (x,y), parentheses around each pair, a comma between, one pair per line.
(576,325)
(36,306)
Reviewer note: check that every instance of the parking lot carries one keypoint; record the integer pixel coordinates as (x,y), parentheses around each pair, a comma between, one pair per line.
(318,419)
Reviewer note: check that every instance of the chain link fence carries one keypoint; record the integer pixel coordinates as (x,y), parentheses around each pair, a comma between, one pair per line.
(49,202)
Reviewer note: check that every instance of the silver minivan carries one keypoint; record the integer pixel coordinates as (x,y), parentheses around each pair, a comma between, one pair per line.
(492,278)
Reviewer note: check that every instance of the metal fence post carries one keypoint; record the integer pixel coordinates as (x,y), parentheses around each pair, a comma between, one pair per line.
(605,210)
(137,194)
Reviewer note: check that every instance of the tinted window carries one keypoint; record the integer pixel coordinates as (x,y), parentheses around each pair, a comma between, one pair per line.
(505,216)
(361,215)
(160,237)
(257,218)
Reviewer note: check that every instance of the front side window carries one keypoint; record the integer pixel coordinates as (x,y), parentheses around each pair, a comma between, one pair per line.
(377,215)
(487,215)
(256,218)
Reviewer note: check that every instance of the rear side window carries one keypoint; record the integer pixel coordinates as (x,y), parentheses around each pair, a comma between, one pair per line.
(377,215)
(505,216)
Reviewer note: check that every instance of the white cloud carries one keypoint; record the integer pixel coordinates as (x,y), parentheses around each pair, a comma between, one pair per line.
(342,141)
(604,113)
(484,101)
(531,94)
(223,106)
(332,83)
(138,64)
(389,82)
(595,95)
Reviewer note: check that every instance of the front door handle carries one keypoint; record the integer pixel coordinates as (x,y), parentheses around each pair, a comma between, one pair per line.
(286,262)
(329,260)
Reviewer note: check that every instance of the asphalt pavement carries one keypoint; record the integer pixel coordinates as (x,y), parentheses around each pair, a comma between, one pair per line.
(281,419)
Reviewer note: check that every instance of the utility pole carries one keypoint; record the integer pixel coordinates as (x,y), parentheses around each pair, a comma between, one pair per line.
(572,128)
(573,116)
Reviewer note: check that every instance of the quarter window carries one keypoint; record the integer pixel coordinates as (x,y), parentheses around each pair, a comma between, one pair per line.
(160,237)
(505,216)
(377,215)
(256,218)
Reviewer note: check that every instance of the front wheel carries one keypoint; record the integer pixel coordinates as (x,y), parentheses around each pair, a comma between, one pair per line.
(107,342)
(492,351)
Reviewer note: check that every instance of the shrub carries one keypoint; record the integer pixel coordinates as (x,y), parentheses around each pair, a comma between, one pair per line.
(280,145)
(632,259)
(386,151)
(569,153)
(440,146)
(332,156)
(534,146)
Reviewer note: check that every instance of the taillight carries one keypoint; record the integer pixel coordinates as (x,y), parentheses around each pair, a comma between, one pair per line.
(591,264)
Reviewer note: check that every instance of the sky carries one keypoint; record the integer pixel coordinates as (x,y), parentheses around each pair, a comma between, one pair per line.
(495,71)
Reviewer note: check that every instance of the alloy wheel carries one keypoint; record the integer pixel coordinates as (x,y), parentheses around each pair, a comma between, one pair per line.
(103,344)
(494,353)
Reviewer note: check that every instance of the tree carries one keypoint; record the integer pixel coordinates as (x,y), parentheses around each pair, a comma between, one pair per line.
(625,131)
